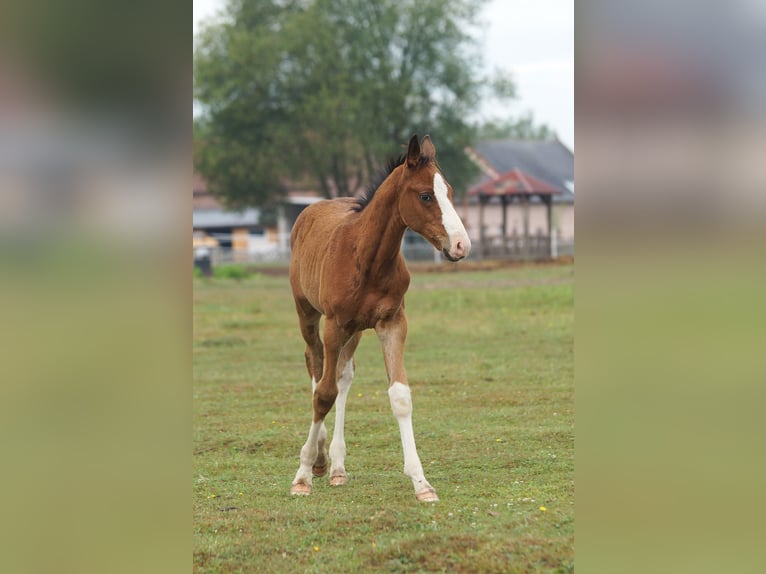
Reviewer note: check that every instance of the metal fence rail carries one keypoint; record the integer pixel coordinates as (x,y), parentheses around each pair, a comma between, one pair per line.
(517,248)
(537,249)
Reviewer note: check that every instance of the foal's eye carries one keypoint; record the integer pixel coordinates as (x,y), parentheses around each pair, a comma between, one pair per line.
(426,197)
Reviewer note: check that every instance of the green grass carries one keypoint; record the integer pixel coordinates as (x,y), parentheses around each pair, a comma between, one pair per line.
(490,361)
(231,271)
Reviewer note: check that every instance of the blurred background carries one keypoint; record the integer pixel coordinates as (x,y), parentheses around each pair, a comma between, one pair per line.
(670,113)
(95,156)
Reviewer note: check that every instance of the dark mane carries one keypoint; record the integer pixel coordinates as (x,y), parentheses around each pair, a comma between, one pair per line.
(364,198)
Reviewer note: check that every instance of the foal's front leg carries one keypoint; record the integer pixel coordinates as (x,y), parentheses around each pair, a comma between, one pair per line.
(338,476)
(392,334)
(325,392)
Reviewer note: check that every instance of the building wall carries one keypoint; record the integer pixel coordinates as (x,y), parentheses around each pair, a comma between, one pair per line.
(240,239)
(563,220)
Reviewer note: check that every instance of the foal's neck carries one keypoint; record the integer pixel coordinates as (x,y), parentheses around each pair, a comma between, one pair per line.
(381,230)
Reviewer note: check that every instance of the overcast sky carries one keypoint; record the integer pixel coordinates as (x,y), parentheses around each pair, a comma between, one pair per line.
(533,40)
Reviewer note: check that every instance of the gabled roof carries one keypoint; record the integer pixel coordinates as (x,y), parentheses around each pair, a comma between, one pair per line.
(548,160)
(514,182)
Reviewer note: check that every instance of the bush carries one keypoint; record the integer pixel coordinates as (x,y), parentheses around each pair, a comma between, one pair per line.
(237,272)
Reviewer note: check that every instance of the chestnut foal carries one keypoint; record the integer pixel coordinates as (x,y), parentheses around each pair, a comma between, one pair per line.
(346,264)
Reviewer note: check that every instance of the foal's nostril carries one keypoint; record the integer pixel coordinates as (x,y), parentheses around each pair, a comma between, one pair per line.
(459,249)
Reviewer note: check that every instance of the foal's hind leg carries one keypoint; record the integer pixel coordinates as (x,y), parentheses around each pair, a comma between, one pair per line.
(346,366)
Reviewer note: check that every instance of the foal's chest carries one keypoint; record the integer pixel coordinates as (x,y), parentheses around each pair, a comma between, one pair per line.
(368,298)
(370,309)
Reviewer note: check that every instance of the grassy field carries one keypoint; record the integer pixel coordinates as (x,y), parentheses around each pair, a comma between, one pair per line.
(490,362)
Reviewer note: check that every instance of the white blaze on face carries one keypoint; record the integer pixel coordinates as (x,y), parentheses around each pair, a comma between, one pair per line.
(450,219)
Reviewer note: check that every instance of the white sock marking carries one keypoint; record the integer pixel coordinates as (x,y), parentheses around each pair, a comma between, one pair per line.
(401,405)
(308,454)
(338,445)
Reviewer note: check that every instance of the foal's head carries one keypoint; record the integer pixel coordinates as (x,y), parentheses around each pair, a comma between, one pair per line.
(425,202)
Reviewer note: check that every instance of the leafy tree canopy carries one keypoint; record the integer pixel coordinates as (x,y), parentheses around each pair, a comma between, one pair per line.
(321,92)
(522,128)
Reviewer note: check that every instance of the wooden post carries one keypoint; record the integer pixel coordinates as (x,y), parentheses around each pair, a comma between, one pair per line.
(548,199)
(482,201)
(504,200)
(525,219)
(283,232)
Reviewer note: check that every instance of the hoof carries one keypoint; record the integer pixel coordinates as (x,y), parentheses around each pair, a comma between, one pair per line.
(319,470)
(427,495)
(338,480)
(300,489)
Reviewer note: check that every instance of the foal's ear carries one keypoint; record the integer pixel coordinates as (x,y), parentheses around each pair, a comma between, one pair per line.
(413,152)
(427,149)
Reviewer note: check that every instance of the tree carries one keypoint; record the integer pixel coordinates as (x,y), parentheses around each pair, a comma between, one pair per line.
(324,91)
(522,128)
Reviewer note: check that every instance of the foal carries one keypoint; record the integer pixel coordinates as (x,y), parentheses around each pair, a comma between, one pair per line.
(346,264)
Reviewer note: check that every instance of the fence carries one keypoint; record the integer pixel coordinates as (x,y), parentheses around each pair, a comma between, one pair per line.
(519,248)
(514,249)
